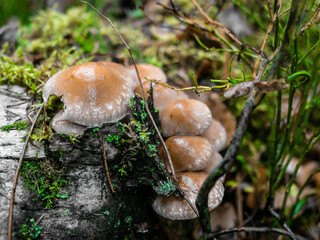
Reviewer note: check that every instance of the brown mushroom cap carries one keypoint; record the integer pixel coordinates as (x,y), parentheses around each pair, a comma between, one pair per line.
(92,93)
(217,158)
(221,113)
(146,71)
(188,153)
(161,94)
(217,136)
(175,208)
(185,117)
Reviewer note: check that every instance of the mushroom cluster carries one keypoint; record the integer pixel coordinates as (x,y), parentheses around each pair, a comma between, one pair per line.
(94,93)
(193,139)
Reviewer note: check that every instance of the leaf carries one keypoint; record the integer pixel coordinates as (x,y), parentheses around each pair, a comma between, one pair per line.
(299,206)
(232,183)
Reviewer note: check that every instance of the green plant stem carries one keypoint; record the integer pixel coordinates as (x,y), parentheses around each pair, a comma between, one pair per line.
(309,146)
(223,167)
(272,160)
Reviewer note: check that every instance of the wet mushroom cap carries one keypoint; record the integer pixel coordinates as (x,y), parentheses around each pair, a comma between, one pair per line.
(92,94)
(217,136)
(185,117)
(162,95)
(147,71)
(175,208)
(124,72)
(217,158)
(188,153)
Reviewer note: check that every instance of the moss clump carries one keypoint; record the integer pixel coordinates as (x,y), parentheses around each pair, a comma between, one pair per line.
(44,180)
(17,126)
(138,141)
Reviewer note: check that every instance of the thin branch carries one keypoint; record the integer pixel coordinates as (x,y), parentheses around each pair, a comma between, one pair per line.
(254,229)
(105,160)
(312,20)
(16,177)
(146,104)
(141,85)
(269,30)
(196,24)
(39,220)
(281,221)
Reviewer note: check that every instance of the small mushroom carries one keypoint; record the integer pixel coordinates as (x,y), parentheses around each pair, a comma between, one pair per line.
(217,136)
(162,95)
(146,71)
(175,208)
(185,117)
(188,153)
(92,93)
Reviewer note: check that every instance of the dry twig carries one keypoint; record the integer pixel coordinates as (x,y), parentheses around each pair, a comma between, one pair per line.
(105,160)
(146,105)
(16,176)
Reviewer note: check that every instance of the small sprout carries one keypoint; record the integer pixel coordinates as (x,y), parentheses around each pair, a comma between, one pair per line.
(95,131)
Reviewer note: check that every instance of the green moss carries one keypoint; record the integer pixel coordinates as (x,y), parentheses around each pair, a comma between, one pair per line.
(28,230)
(44,180)
(17,126)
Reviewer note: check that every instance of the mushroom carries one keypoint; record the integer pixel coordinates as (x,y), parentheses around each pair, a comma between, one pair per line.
(146,71)
(217,136)
(175,208)
(185,117)
(92,93)
(161,94)
(188,153)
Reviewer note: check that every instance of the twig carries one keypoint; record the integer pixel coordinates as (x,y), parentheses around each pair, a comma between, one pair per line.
(201,11)
(18,104)
(33,144)
(29,118)
(13,96)
(269,9)
(312,20)
(16,177)
(196,88)
(285,11)
(105,159)
(283,223)
(146,105)
(39,220)
(196,24)
(141,86)
(269,30)
(254,229)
